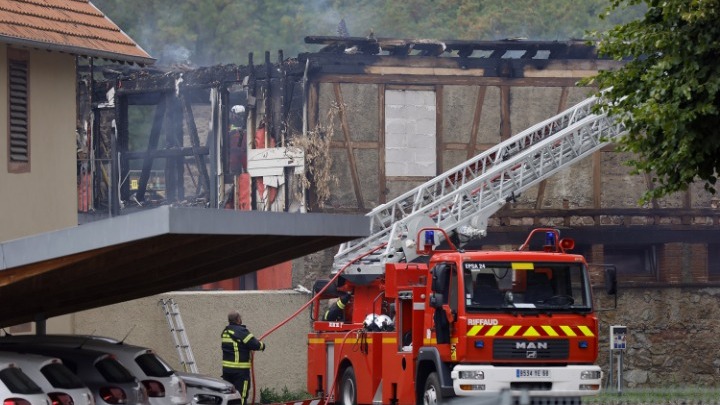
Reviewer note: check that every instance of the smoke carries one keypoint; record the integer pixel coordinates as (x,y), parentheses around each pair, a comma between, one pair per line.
(174,54)
(209,32)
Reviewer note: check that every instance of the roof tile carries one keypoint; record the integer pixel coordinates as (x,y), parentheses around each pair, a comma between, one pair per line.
(74,26)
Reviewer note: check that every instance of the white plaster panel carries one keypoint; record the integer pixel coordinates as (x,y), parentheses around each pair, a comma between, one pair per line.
(422,141)
(410,133)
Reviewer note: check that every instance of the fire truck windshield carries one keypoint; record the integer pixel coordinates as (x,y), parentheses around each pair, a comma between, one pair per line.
(526,285)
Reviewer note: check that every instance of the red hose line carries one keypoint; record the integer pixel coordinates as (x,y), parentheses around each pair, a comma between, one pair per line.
(302,308)
(337,371)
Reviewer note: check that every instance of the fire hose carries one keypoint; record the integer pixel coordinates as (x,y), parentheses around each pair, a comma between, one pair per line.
(302,308)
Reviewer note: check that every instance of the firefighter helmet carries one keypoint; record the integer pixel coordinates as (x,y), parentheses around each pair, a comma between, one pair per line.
(384,323)
(378,323)
(370,324)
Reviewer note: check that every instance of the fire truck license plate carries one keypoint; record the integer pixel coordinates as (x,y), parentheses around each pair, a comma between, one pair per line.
(532,373)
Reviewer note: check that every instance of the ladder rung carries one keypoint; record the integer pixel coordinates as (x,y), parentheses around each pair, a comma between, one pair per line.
(177,330)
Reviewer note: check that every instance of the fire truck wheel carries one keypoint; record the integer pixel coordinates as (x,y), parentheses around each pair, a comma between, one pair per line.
(433,395)
(348,388)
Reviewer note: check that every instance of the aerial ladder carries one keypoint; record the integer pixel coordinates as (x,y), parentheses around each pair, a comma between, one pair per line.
(464,197)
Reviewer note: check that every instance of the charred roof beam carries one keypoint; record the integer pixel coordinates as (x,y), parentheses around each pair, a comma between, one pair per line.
(465,49)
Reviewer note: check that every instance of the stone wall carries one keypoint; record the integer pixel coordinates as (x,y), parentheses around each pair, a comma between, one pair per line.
(671,336)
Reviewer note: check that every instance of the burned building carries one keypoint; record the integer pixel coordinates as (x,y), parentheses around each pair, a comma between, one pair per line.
(387,115)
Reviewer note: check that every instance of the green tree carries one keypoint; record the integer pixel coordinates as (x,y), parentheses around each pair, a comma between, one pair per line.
(533,19)
(208,32)
(667,93)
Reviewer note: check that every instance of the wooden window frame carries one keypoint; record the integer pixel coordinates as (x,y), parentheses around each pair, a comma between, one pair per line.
(19,57)
(647,254)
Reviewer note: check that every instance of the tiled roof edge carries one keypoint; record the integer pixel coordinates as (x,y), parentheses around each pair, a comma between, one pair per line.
(60,7)
(75,50)
(121,31)
(113,28)
(128,42)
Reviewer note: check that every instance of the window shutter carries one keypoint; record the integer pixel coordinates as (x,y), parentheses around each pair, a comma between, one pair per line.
(19,145)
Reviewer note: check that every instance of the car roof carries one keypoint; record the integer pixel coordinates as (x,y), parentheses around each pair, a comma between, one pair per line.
(111,344)
(55,351)
(56,338)
(25,358)
(5,363)
(79,360)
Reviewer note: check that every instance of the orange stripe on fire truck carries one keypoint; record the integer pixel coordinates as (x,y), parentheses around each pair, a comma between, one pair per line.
(433,341)
(530,331)
(339,341)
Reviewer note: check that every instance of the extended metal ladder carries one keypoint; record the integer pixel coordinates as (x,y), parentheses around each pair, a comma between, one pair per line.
(471,192)
(177,329)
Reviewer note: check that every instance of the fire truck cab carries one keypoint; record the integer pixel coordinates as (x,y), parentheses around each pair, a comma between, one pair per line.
(461,323)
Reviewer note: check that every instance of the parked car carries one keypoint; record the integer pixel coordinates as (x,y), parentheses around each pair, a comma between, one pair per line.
(200,389)
(206,390)
(16,388)
(110,382)
(163,385)
(56,380)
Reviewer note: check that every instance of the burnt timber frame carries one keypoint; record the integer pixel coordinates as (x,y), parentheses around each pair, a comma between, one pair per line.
(397,64)
(173,94)
(277,93)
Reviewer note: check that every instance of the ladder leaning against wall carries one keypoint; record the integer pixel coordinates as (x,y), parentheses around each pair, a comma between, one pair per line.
(177,330)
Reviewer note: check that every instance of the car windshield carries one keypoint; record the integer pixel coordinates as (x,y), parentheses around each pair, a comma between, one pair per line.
(526,285)
(153,366)
(18,382)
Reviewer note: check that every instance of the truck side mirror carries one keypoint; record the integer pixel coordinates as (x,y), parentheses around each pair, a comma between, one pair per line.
(440,278)
(436,300)
(611,280)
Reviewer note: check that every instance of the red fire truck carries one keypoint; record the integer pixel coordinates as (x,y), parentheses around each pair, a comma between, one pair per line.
(428,320)
(464,323)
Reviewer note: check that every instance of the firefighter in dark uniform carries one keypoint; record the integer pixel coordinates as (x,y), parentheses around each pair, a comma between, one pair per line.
(336,311)
(237,342)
